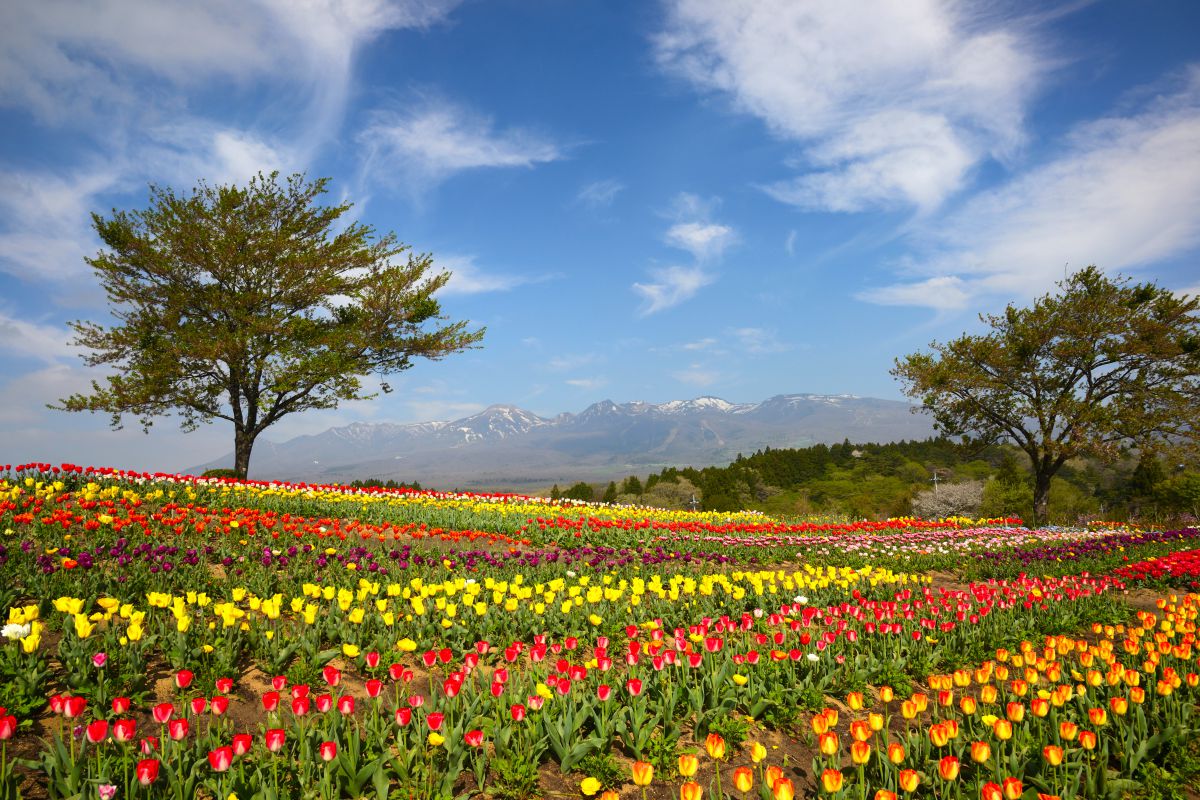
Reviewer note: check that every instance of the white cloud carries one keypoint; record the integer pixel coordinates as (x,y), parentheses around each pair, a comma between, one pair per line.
(758,341)
(894,100)
(789,244)
(45,343)
(705,241)
(700,344)
(435,140)
(600,194)
(467,278)
(69,61)
(564,363)
(1122,194)
(590,384)
(943,293)
(671,286)
(697,375)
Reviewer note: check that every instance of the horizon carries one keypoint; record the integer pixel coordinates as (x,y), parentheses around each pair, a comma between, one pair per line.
(656,200)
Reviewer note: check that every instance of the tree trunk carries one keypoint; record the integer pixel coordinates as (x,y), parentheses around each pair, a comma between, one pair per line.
(243,443)
(1041,497)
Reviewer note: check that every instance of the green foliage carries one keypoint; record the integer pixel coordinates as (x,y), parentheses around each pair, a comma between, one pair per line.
(662,751)
(1101,365)
(734,729)
(514,778)
(220,472)
(251,303)
(580,491)
(610,494)
(604,767)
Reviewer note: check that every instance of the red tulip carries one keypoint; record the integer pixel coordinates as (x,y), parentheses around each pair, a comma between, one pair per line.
(374,687)
(403,715)
(183,678)
(198,705)
(301,706)
(434,720)
(120,705)
(125,730)
(328,751)
(604,691)
(332,675)
(177,729)
(224,685)
(518,712)
(219,705)
(147,771)
(634,686)
(371,659)
(274,739)
(473,738)
(73,706)
(97,731)
(242,743)
(279,682)
(221,758)
(163,712)
(345,705)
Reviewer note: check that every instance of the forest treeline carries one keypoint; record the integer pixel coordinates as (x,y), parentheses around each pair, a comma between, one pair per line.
(934,477)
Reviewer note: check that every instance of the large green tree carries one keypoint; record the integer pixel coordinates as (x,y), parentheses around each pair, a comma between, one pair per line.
(1099,365)
(249,303)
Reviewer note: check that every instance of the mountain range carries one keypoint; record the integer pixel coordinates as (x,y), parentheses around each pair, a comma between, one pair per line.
(506,447)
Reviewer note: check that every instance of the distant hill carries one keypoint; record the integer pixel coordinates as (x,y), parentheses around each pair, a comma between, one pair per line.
(509,447)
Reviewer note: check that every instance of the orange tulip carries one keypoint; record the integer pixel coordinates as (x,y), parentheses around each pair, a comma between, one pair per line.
(886,694)
(1119,705)
(908,709)
(939,734)
(831,717)
(1098,716)
(1068,730)
(855,701)
(968,705)
(1087,740)
(643,773)
(1013,789)
(1002,729)
(945,698)
(688,764)
(819,725)
(690,791)
(860,731)
(1015,712)
(828,744)
(875,721)
(991,791)
(988,693)
(895,753)
(909,780)
(609,794)
(783,789)
(1039,707)
(948,768)
(715,746)
(922,701)
(831,780)
(884,794)
(757,752)
(773,774)
(860,752)
(980,752)
(1137,695)
(743,779)
(1053,754)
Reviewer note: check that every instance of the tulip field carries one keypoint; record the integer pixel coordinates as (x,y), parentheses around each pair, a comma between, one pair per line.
(167,636)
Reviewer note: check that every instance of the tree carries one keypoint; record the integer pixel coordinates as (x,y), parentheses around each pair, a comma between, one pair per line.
(610,494)
(1100,365)
(250,303)
(581,491)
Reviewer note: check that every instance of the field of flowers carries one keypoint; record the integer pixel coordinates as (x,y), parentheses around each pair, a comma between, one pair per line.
(174,637)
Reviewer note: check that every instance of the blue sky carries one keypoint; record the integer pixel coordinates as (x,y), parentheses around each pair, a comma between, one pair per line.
(646,200)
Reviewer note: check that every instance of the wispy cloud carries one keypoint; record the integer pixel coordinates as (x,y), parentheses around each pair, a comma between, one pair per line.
(46,343)
(437,139)
(893,106)
(697,375)
(1121,194)
(590,384)
(563,363)
(758,341)
(704,240)
(599,194)
(671,286)
(466,277)
(706,343)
